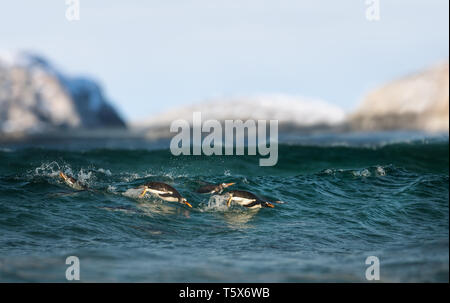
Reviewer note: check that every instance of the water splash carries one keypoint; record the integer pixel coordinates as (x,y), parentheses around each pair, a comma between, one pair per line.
(132,193)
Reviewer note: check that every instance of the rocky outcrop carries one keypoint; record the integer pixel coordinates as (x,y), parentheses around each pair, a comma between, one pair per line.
(35,98)
(417,102)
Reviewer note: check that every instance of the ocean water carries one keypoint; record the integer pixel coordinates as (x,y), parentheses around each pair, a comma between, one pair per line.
(345,200)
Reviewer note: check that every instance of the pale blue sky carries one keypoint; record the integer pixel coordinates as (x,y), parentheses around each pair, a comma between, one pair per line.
(153,55)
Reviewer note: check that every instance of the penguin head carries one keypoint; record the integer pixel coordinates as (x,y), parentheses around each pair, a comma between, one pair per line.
(267,204)
(184,201)
(225,185)
(63,175)
(66,178)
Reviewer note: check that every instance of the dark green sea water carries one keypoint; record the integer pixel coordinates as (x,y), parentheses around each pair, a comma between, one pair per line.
(344,202)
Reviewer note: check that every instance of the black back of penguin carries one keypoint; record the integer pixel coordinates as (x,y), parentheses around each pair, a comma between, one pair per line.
(163,187)
(243,194)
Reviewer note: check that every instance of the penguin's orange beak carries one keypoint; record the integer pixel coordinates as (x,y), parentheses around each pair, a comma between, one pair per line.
(187,203)
(228,184)
(62,175)
(143,192)
(270,205)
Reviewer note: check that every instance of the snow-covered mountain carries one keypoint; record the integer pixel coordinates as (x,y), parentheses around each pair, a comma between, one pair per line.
(291,112)
(36,97)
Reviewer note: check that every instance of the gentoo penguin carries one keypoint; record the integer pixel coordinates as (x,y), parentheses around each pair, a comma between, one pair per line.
(72,182)
(163,191)
(213,188)
(246,199)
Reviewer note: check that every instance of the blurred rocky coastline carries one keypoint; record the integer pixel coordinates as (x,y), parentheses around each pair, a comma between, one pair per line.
(416,103)
(38,101)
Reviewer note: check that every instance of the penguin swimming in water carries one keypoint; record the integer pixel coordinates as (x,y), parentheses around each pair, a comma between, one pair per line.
(213,188)
(246,199)
(163,191)
(72,182)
